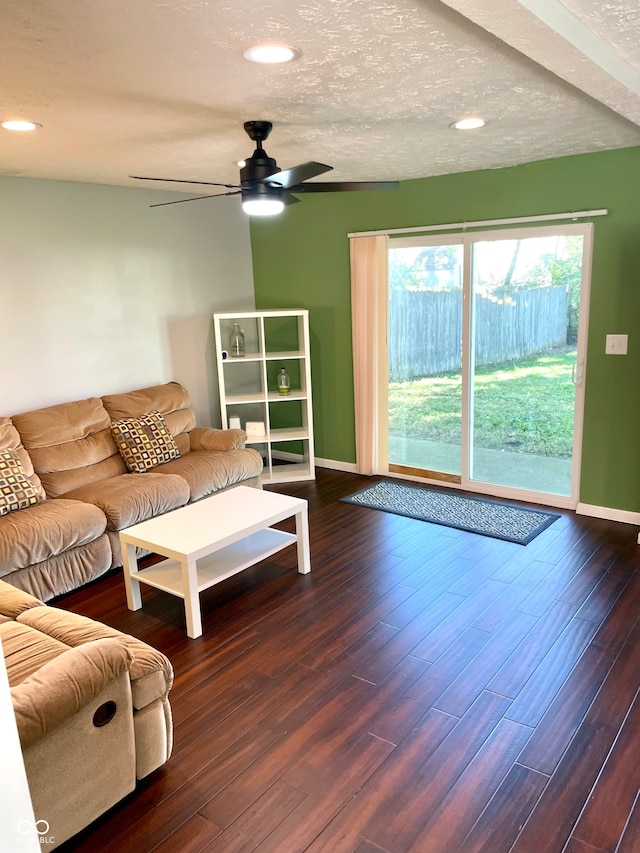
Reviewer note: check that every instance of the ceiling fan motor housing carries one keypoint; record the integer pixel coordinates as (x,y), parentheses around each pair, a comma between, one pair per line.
(259,167)
(253,175)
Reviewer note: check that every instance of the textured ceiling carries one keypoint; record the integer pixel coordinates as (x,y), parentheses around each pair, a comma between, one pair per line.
(161,88)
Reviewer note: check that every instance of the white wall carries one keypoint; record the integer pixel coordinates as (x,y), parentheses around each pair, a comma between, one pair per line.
(18,828)
(101,294)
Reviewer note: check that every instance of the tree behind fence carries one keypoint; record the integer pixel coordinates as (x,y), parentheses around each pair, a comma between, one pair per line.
(425,329)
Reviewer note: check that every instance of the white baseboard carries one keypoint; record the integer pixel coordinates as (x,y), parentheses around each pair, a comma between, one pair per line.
(285,456)
(336,465)
(609,513)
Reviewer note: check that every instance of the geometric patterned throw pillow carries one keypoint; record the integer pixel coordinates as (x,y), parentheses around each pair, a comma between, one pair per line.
(16,489)
(144,442)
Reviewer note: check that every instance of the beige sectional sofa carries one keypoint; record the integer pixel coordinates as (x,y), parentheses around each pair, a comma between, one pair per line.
(91,706)
(86,492)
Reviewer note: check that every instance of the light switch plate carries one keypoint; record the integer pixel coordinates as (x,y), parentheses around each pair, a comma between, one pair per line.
(616,344)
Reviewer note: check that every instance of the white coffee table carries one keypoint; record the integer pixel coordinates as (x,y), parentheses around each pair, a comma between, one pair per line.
(208,541)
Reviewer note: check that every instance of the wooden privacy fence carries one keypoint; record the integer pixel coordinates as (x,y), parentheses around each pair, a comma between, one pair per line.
(425,328)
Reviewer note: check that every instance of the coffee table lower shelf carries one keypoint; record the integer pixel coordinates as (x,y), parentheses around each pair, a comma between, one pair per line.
(218,566)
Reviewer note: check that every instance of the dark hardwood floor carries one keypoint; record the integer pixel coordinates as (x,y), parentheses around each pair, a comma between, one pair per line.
(424,689)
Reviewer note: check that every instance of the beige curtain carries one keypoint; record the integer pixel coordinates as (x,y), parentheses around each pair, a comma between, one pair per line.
(368,321)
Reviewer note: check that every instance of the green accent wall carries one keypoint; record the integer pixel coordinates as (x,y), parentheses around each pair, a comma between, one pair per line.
(301,260)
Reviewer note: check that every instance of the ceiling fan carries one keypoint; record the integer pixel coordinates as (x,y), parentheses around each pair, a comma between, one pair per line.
(265,188)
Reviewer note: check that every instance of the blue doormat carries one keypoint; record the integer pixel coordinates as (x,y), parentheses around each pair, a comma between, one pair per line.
(489,518)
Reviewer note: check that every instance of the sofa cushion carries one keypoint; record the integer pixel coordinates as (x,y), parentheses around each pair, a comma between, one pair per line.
(208,471)
(16,489)
(171,399)
(26,650)
(70,444)
(130,498)
(14,601)
(40,532)
(151,672)
(64,572)
(144,442)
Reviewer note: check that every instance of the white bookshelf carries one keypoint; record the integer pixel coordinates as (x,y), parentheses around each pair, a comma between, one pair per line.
(249,391)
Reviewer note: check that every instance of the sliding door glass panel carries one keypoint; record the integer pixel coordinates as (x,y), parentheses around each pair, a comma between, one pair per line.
(425,356)
(524,332)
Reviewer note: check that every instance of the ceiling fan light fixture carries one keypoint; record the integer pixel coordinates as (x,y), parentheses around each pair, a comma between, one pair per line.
(269,53)
(470,123)
(20,125)
(262,206)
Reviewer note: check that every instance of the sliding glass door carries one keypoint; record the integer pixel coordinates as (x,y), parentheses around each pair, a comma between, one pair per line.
(425,356)
(486,334)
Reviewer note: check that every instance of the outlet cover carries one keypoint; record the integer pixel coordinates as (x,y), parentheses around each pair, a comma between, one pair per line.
(616,344)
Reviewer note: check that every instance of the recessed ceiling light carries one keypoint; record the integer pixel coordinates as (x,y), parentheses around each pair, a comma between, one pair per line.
(468,123)
(20,125)
(271,54)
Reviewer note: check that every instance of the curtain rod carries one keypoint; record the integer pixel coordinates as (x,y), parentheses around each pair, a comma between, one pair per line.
(578,214)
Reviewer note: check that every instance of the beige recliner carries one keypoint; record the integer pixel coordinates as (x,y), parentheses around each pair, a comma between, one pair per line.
(91,705)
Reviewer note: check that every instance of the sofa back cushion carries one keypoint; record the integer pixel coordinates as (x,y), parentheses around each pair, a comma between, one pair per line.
(70,445)
(170,399)
(26,650)
(10,440)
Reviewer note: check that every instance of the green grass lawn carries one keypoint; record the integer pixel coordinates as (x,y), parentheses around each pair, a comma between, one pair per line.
(524,406)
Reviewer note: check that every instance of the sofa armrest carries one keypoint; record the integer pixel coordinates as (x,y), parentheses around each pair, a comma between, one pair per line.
(64,685)
(14,601)
(208,438)
(151,672)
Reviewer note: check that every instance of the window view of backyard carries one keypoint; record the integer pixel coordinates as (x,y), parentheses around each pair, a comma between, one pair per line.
(524,335)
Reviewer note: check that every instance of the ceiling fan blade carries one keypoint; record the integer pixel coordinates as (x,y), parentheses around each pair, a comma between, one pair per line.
(297,174)
(181,181)
(290,199)
(195,198)
(343,186)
